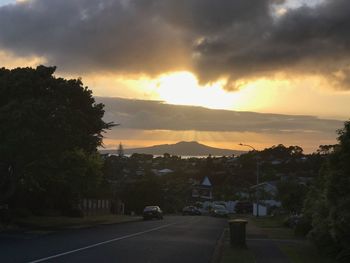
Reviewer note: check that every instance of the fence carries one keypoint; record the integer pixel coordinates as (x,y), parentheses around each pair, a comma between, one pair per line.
(101,206)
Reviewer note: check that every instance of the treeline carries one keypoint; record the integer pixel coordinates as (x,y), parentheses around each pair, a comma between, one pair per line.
(231,176)
(327,206)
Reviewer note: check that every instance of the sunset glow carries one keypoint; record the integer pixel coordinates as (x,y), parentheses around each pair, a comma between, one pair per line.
(184,59)
(182,88)
(225,140)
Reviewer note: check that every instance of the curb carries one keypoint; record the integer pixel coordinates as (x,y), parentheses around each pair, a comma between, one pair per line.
(217,254)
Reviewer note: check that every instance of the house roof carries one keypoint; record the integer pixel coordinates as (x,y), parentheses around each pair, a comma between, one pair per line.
(267,183)
(165,171)
(206,181)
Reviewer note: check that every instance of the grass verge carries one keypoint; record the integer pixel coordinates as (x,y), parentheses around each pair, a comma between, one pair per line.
(273,227)
(303,253)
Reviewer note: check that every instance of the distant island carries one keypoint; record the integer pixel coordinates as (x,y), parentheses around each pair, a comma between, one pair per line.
(181,148)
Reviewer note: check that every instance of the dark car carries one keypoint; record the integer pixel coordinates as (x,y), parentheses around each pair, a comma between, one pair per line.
(244,207)
(191,210)
(152,212)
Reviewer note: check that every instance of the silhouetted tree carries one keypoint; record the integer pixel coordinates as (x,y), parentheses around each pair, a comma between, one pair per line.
(326,149)
(328,203)
(7,182)
(120,150)
(50,128)
(292,194)
(140,193)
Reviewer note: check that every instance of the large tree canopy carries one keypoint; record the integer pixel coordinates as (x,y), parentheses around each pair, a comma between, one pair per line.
(328,203)
(46,113)
(49,129)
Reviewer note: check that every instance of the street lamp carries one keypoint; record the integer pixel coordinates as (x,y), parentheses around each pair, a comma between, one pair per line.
(257,178)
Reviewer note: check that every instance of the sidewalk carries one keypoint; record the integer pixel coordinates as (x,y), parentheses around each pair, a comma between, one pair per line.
(264,249)
(260,247)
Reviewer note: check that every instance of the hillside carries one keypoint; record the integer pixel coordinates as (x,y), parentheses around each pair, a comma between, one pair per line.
(181,148)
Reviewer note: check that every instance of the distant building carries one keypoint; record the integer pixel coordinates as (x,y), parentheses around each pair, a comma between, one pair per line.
(276,162)
(266,189)
(203,191)
(162,171)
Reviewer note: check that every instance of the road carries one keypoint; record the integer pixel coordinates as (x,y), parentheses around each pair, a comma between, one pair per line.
(174,239)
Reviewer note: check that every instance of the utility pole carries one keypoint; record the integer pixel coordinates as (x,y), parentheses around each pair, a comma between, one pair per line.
(257,178)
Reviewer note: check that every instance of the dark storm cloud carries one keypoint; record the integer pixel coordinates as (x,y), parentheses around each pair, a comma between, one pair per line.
(304,40)
(155,115)
(238,39)
(92,35)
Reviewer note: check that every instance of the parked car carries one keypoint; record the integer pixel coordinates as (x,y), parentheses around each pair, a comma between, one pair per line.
(244,207)
(151,212)
(292,221)
(219,210)
(191,210)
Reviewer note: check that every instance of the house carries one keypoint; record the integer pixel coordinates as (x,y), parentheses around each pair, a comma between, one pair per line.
(162,171)
(266,207)
(267,190)
(276,162)
(140,172)
(243,195)
(203,191)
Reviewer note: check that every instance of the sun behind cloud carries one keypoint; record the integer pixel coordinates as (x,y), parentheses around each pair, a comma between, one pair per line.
(182,88)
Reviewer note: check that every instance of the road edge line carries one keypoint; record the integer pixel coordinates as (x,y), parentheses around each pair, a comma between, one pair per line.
(101,243)
(217,254)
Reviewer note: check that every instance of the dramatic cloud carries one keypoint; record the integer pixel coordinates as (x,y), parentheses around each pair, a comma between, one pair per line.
(155,115)
(238,40)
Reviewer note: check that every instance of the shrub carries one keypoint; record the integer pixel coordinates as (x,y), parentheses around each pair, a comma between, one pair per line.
(74,213)
(302,227)
(21,212)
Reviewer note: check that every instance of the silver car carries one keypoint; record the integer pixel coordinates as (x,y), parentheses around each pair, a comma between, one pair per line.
(220,211)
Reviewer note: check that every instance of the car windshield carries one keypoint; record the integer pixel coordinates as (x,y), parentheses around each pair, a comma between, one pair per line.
(150,208)
(219,207)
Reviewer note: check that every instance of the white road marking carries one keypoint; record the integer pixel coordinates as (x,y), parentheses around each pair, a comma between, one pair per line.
(102,243)
(298,241)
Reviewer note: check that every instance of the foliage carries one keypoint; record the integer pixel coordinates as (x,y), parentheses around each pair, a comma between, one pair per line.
(143,192)
(303,227)
(300,252)
(281,152)
(291,193)
(6,182)
(326,149)
(328,204)
(50,128)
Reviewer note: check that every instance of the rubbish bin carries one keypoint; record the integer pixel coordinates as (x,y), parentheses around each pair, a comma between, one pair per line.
(237,232)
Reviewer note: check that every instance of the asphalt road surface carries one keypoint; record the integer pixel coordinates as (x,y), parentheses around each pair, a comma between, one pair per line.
(175,239)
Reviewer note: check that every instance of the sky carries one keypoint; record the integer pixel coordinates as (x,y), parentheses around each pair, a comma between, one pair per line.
(286,57)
